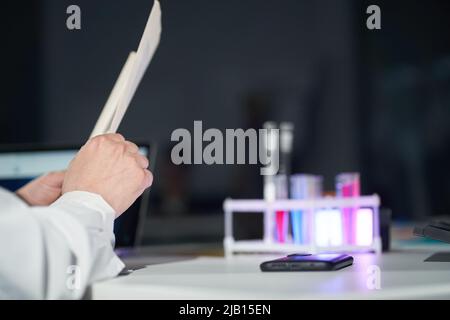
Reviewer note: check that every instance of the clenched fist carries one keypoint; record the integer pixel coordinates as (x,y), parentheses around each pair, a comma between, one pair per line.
(112,167)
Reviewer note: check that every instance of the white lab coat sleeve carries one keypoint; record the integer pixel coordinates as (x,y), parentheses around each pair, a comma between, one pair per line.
(55,252)
(9,200)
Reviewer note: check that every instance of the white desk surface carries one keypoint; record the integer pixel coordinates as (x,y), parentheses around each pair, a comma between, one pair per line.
(404,275)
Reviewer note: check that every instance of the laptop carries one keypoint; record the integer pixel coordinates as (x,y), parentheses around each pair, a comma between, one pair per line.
(21,164)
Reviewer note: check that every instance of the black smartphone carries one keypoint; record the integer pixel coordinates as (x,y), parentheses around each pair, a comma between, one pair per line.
(308,262)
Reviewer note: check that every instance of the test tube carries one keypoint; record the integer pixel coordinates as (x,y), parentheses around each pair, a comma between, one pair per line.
(348,185)
(327,228)
(281,216)
(304,186)
(364,227)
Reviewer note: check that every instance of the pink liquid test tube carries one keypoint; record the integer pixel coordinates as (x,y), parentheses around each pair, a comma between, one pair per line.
(282,225)
(348,185)
(281,216)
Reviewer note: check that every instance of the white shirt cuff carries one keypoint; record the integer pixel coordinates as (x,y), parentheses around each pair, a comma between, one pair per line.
(91,200)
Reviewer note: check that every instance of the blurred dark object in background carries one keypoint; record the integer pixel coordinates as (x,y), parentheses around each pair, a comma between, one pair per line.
(385,228)
(373,101)
(21,109)
(405,107)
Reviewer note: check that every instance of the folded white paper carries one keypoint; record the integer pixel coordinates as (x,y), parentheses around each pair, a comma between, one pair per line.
(130,76)
(104,121)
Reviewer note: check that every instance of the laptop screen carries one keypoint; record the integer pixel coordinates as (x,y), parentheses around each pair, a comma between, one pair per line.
(19,167)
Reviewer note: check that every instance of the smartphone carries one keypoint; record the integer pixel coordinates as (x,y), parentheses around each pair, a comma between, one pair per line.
(308,262)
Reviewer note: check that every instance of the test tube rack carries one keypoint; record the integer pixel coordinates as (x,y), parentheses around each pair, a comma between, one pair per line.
(268,208)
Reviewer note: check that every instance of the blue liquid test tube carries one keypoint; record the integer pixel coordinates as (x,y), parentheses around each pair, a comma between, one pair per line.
(303,186)
(297,226)
(298,191)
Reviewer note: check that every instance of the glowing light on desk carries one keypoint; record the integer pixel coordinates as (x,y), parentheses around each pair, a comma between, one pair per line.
(328,228)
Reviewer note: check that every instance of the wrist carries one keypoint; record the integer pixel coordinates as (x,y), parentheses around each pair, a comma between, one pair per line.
(22,195)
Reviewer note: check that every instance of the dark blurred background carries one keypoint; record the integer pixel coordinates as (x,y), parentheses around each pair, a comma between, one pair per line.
(374,101)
